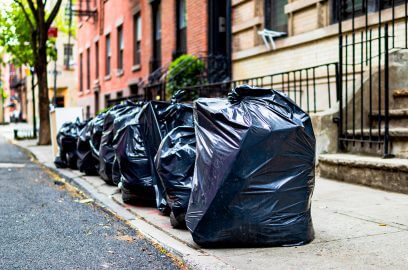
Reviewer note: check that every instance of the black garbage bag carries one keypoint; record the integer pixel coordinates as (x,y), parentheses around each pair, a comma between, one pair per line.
(96,136)
(106,151)
(255,171)
(120,122)
(135,175)
(175,161)
(86,163)
(67,143)
(157,119)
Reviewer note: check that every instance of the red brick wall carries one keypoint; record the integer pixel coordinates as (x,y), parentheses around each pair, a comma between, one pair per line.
(112,12)
(197,25)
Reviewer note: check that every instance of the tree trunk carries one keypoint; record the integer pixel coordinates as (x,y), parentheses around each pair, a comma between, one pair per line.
(44,103)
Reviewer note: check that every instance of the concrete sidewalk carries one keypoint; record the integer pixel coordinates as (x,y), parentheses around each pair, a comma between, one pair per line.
(356,228)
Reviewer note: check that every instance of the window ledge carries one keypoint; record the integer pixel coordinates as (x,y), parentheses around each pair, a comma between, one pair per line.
(87,91)
(119,73)
(96,82)
(136,68)
(107,77)
(80,93)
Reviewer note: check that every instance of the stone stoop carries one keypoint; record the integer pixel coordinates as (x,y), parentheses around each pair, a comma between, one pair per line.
(387,174)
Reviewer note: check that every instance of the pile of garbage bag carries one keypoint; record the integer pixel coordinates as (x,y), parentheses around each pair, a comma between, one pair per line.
(106,150)
(254,172)
(236,171)
(174,162)
(67,138)
(157,119)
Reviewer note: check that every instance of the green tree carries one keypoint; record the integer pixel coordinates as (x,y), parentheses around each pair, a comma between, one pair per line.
(29,21)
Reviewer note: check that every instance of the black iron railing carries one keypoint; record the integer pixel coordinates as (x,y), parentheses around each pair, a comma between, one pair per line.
(364,72)
(312,88)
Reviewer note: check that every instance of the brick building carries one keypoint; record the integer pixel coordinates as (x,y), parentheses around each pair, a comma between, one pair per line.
(120,43)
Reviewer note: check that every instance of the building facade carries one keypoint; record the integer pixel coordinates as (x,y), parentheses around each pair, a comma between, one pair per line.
(310,38)
(123,45)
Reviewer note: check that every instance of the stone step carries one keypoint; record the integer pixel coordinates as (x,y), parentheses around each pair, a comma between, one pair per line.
(398,142)
(387,174)
(398,118)
(400,99)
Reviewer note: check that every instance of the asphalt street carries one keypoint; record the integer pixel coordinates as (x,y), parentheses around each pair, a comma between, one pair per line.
(43,226)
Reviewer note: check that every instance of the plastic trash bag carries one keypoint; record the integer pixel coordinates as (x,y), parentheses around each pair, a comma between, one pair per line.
(96,135)
(157,119)
(106,151)
(120,122)
(86,163)
(254,173)
(174,162)
(67,143)
(135,175)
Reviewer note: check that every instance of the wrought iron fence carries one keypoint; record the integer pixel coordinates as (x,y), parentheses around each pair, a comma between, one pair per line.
(312,88)
(364,71)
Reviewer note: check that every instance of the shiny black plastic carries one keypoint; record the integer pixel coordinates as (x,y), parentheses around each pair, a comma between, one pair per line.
(121,121)
(106,151)
(255,171)
(175,161)
(157,119)
(96,135)
(67,143)
(86,163)
(135,174)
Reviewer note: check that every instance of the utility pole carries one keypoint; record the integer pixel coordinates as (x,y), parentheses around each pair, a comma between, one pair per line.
(33,94)
(55,77)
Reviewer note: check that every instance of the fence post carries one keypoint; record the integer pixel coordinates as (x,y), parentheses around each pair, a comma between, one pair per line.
(339,77)
(386,93)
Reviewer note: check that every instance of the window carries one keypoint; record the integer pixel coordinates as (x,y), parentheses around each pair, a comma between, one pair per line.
(97,60)
(137,38)
(88,69)
(156,63)
(81,80)
(88,112)
(119,94)
(134,89)
(108,55)
(361,7)
(68,55)
(181,27)
(120,48)
(275,18)
(107,97)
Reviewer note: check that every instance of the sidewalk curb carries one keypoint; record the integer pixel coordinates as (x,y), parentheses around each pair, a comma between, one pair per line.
(181,252)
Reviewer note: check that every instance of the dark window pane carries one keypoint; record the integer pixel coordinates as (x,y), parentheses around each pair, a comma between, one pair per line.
(108,55)
(120,47)
(81,80)
(97,60)
(88,69)
(278,18)
(137,37)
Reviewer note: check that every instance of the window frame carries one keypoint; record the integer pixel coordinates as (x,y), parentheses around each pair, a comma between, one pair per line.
(108,55)
(120,48)
(97,59)
(88,68)
(68,63)
(268,18)
(81,70)
(137,38)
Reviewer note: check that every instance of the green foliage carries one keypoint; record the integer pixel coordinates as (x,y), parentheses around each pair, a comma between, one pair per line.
(3,94)
(15,35)
(185,71)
